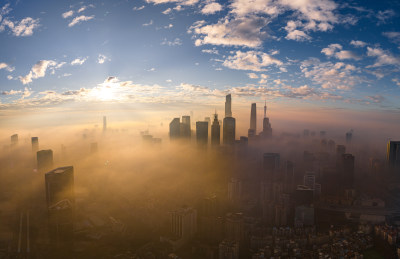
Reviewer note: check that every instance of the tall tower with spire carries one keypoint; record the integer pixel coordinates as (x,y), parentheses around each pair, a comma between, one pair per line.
(228,106)
(253,121)
(215,131)
(267,129)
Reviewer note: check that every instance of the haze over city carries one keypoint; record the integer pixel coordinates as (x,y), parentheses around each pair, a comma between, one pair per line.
(200,129)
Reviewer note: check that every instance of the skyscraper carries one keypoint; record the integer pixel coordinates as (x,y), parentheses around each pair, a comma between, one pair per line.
(14,139)
(253,117)
(393,154)
(174,129)
(35,144)
(44,160)
(184,223)
(347,171)
(202,133)
(228,106)
(185,129)
(349,136)
(60,185)
(267,129)
(229,126)
(104,123)
(270,165)
(215,131)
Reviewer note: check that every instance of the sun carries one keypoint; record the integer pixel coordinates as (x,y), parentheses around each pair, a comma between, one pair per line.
(105,93)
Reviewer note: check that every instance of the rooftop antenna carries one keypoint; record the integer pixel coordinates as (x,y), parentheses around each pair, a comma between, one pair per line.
(265,109)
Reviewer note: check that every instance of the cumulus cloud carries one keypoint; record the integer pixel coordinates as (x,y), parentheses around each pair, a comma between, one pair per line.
(335,50)
(251,60)
(102,58)
(175,42)
(80,19)
(25,27)
(252,75)
(211,8)
(210,51)
(358,43)
(246,31)
(138,8)
(383,57)
(67,14)
(392,35)
(181,2)
(6,67)
(294,34)
(38,70)
(78,61)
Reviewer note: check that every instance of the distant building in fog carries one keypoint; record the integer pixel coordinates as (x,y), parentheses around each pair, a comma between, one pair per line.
(60,185)
(349,137)
(228,106)
(215,132)
(267,129)
(185,129)
(174,129)
(393,154)
(35,144)
(44,159)
(270,165)
(202,133)
(104,123)
(228,249)
(347,171)
(229,128)
(253,121)
(184,223)
(14,139)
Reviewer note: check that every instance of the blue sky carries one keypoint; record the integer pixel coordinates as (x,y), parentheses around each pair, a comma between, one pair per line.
(308,52)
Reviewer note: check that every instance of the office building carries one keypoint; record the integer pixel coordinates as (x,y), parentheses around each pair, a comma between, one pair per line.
(175,129)
(270,166)
(44,160)
(253,117)
(228,249)
(393,154)
(347,171)
(202,133)
(234,190)
(14,139)
(215,131)
(60,185)
(304,195)
(35,144)
(185,129)
(61,225)
(309,180)
(267,128)
(228,106)
(229,128)
(184,223)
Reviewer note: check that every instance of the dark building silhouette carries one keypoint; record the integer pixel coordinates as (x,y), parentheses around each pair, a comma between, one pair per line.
(215,131)
(202,133)
(60,185)
(228,106)
(347,171)
(185,129)
(175,129)
(267,129)
(349,136)
(340,150)
(270,165)
(229,128)
(35,144)
(253,121)
(303,195)
(393,154)
(44,159)
(14,139)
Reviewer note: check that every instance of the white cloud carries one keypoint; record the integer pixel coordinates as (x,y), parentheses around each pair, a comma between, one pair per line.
(181,2)
(38,70)
(358,43)
(244,31)
(6,67)
(384,16)
(294,34)
(67,14)
(79,19)
(392,35)
(102,58)
(396,81)
(382,57)
(167,11)
(335,50)
(10,77)
(168,81)
(175,42)
(210,51)
(78,61)
(211,8)
(148,24)
(138,8)
(25,27)
(169,26)
(252,75)
(83,8)
(251,60)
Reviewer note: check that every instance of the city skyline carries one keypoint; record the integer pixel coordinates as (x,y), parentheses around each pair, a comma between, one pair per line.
(349,58)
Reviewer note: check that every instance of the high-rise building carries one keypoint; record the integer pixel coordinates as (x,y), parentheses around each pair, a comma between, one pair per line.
(175,129)
(44,160)
(228,249)
(347,171)
(228,106)
(61,226)
(60,185)
(309,180)
(35,144)
(349,136)
(215,131)
(104,123)
(185,129)
(229,127)
(234,190)
(267,129)
(14,139)
(270,165)
(393,154)
(340,150)
(202,133)
(253,117)
(184,223)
